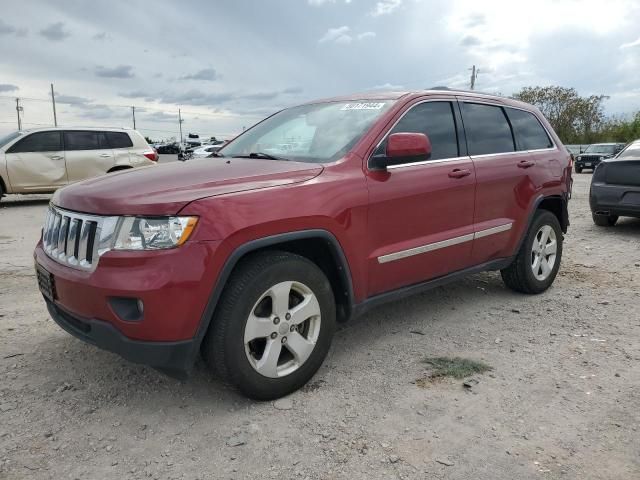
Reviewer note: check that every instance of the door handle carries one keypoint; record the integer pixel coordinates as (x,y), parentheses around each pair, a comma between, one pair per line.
(459,173)
(526,164)
(105,155)
(56,157)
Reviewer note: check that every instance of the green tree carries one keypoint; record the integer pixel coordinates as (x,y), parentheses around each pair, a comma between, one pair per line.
(575,119)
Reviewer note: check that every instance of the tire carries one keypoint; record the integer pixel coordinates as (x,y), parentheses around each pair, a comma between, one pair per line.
(1,191)
(524,274)
(604,220)
(248,299)
(578,169)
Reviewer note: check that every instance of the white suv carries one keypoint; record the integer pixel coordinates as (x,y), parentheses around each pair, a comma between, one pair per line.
(45,159)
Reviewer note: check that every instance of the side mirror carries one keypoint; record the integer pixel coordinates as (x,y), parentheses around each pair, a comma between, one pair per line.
(403,148)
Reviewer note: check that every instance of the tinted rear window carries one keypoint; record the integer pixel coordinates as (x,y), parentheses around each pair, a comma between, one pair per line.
(487,129)
(90,140)
(529,133)
(632,151)
(119,139)
(38,142)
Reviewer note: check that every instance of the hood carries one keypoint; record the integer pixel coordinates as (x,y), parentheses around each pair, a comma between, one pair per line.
(165,189)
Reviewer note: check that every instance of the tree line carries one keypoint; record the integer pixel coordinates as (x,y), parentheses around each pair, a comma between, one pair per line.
(580,120)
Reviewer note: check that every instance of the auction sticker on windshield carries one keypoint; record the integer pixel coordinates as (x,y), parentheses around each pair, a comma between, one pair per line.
(363,106)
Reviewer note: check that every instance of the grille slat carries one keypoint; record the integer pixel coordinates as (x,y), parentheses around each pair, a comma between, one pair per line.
(74,239)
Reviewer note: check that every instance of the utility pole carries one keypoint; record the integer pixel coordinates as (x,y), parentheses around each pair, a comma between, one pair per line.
(474,76)
(180,123)
(133,114)
(18,110)
(53,100)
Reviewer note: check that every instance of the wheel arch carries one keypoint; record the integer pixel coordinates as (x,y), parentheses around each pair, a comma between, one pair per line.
(556,204)
(319,246)
(118,168)
(3,186)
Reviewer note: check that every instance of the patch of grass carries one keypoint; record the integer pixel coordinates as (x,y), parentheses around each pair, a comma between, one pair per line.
(455,367)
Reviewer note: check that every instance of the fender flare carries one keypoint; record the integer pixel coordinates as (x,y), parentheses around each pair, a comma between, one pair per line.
(257,244)
(564,220)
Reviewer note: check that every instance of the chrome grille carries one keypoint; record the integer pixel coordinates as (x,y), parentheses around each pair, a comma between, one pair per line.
(77,239)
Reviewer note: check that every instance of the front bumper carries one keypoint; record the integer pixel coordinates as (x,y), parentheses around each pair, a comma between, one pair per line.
(620,200)
(173,358)
(173,285)
(587,163)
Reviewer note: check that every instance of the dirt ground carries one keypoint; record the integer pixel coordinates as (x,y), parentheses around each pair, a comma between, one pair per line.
(562,400)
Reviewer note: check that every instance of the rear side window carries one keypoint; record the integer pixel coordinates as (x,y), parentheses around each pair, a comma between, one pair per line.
(529,133)
(90,140)
(487,129)
(434,119)
(632,151)
(38,142)
(118,140)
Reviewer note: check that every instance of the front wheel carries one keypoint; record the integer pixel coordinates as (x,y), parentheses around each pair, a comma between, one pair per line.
(536,265)
(273,326)
(578,169)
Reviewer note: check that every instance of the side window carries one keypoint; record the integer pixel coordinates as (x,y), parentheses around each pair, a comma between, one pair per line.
(435,119)
(38,142)
(530,135)
(487,129)
(75,140)
(118,140)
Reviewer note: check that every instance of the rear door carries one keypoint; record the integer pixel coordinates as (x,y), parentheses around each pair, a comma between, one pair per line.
(421,214)
(505,189)
(37,163)
(88,154)
(120,144)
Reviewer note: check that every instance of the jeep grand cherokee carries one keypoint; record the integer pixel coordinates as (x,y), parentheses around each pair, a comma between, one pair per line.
(314,215)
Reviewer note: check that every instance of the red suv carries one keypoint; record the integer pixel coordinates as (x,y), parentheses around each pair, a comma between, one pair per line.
(315,215)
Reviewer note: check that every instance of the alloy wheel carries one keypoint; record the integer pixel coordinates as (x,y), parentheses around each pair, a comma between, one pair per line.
(282,329)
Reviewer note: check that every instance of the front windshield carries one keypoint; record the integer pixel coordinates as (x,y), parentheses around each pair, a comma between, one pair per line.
(318,133)
(7,138)
(608,149)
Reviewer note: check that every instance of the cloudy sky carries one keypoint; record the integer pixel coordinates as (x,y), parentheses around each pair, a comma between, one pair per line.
(226,64)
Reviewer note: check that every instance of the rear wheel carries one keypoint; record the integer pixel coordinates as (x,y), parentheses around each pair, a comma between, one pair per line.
(273,326)
(536,265)
(604,220)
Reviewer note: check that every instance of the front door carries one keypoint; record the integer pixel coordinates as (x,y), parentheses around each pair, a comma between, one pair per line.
(88,154)
(37,163)
(421,214)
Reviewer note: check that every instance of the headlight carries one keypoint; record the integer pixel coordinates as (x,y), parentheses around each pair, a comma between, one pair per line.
(138,233)
(601,157)
(579,157)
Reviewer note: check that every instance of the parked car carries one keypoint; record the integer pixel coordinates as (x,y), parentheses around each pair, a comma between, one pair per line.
(615,187)
(253,259)
(595,153)
(45,159)
(205,151)
(169,148)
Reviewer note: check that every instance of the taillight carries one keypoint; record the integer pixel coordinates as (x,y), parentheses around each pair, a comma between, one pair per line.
(153,156)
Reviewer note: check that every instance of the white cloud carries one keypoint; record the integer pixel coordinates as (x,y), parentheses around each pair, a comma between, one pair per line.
(365,35)
(631,44)
(337,35)
(386,86)
(385,7)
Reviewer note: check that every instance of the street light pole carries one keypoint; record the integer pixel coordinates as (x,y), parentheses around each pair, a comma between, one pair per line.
(133,114)
(53,100)
(180,123)
(18,110)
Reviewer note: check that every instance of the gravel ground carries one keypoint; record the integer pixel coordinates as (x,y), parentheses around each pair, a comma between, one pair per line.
(561,401)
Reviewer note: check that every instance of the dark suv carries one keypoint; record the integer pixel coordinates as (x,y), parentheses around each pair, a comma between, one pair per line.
(315,215)
(595,153)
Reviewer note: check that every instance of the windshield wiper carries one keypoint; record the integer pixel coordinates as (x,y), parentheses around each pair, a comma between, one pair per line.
(264,155)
